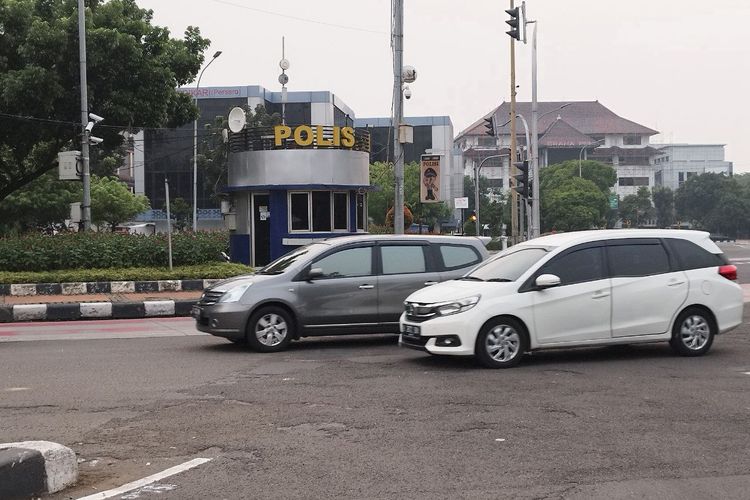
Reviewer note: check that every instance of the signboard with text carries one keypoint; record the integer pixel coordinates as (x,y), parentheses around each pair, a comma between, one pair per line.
(429,175)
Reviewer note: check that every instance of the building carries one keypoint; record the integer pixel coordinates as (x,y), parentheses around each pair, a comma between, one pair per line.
(676,163)
(169,152)
(567,131)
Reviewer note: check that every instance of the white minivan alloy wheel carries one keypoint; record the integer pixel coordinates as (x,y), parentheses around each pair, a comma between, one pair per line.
(695,332)
(503,343)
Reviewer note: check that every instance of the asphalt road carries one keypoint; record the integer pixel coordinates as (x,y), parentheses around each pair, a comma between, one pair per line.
(359,417)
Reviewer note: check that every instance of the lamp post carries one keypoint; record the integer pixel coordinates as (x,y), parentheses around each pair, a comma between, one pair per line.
(195,145)
(476,186)
(580,154)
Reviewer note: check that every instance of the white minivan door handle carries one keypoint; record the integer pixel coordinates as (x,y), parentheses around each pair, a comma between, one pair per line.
(675,283)
(366,287)
(600,295)
(430,283)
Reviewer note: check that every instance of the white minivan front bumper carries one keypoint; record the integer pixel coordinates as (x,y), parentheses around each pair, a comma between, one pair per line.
(450,335)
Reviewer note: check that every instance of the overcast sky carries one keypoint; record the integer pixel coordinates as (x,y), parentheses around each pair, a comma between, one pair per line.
(678,66)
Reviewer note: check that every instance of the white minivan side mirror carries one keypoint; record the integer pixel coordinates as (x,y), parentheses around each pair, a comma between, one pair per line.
(547,281)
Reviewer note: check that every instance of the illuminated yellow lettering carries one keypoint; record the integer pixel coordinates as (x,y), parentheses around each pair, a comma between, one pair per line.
(347,137)
(281,132)
(337,136)
(308,132)
(322,141)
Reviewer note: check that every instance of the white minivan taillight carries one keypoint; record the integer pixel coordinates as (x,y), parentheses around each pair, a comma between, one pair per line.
(729,271)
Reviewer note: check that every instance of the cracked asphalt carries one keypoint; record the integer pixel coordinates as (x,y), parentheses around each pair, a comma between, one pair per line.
(359,417)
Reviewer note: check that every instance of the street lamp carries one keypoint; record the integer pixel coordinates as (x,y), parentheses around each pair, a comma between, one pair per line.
(476,186)
(580,154)
(195,145)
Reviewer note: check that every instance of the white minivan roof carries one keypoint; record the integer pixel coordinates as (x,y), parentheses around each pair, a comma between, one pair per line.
(700,238)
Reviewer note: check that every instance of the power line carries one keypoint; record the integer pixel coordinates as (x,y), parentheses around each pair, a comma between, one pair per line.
(302,19)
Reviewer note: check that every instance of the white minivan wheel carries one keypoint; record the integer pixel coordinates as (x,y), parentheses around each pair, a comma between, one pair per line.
(501,343)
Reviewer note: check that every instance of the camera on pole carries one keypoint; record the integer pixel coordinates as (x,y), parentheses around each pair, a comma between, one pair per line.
(522,179)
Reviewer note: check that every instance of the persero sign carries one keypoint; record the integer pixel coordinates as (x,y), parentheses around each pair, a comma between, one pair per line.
(305,135)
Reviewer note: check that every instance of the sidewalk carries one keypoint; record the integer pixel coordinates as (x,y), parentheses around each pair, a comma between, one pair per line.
(14,308)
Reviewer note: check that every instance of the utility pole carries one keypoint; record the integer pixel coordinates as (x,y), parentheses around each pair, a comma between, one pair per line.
(86,172)
(513,169)
(535,231)
(397,41)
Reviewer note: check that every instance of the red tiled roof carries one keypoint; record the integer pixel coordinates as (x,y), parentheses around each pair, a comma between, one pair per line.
(587,117)
(561,134)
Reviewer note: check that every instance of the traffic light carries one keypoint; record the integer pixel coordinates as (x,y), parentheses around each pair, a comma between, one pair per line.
(514,22)
(490,124)
(473,216)
(522,179)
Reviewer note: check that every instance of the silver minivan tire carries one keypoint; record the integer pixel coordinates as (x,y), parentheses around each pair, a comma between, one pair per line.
(270,329)
(501,343)
(693,332)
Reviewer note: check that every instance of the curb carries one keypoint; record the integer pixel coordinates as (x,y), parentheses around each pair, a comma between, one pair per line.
(95,310)
(90,287)
(32,468)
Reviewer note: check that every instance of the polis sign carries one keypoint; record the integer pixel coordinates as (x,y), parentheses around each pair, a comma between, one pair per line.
(306,135)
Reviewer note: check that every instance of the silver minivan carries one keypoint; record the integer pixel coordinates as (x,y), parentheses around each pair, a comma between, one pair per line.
(344,285)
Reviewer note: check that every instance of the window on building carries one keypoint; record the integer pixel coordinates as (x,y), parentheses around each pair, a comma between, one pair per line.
(633,181)
(318,211)
(299,211)
(632,140)
(321,211)
(340,211)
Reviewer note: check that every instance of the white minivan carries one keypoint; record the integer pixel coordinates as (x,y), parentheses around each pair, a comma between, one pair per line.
(587,288)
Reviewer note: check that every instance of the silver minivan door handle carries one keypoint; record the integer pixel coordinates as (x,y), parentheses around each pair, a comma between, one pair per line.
(430,283)
(366,287)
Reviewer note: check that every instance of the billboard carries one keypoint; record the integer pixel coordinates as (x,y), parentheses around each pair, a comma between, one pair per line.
(429,175)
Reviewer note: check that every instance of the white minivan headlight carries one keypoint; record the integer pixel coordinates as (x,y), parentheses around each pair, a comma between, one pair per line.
(458,306)
(235,294)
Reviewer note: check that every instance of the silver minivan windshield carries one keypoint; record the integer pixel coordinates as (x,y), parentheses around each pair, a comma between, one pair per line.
(281,264)
(508,266)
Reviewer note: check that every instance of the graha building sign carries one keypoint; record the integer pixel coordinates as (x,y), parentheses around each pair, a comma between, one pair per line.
(306,135)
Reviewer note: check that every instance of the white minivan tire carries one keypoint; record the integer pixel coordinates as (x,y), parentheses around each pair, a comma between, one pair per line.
(693,332)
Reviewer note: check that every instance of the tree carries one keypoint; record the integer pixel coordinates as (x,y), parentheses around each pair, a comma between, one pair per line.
(213,152)
(43,204)
(570,202)
(663,198)
(182,213)
(636,209)
(134,69)
(492,213)
(113,203)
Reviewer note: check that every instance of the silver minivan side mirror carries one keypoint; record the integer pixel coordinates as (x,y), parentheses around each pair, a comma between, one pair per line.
(313,273)
(547,281)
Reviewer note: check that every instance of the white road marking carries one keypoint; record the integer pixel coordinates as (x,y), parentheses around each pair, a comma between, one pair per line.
(746,373)
(147,480)
(15,389)
(499,440)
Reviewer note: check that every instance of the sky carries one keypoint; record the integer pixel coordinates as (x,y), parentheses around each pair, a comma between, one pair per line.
(678,66)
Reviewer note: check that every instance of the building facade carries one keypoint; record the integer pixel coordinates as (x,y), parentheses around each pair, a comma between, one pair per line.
(676,163)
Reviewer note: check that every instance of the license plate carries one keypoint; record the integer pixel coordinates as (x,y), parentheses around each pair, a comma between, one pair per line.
(410,330)
(195,312)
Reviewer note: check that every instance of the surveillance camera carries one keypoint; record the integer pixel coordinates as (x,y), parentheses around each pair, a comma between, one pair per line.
(89,126)
(96,118)
(95,140)
(407,93)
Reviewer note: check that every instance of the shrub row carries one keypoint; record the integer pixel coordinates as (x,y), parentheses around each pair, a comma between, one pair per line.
(108,250)
(216,270)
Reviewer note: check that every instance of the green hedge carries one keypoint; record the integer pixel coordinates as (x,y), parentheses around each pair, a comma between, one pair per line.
(206,271)
(108,250)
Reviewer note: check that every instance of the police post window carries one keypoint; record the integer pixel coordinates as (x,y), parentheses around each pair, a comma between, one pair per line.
(299,211)
(319,211)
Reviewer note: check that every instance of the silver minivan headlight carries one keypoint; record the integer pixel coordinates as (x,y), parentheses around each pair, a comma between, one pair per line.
(235,294)
(458,306)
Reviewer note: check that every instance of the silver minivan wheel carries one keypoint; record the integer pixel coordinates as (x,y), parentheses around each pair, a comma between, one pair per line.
(270,329)
(693,332)
(501,343)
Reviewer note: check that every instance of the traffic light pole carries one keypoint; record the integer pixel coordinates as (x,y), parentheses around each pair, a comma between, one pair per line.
(535,200)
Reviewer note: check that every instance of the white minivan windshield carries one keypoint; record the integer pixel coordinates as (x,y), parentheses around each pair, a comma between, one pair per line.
(507,266)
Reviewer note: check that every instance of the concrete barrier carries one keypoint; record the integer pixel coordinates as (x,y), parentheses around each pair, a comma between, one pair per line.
(32,468)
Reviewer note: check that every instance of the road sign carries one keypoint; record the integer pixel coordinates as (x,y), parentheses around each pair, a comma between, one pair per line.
(613,201)
(461,202)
